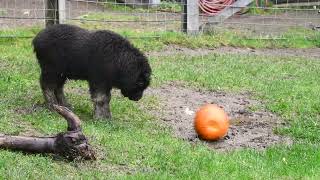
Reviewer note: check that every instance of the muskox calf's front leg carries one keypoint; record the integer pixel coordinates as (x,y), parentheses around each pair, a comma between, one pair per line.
(101,102)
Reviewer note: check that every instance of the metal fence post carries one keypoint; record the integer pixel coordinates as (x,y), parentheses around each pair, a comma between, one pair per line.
(154,3)
(190,17)
(62,11)
(184,16)
(51,11)
(55,12)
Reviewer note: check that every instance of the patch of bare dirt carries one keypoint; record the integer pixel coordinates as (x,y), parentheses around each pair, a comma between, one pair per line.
(27,127)
(249,129)
(29,110)
(313,53)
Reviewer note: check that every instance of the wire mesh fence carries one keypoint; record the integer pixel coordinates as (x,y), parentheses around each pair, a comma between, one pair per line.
(263,19)
(126,17)
(17,14)
(137,17)
(147,18)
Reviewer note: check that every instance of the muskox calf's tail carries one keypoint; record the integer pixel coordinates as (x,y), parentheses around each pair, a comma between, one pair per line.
(36,43)
(40,46)
(36,47)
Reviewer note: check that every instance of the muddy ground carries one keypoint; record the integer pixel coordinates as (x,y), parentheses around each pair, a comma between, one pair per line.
(251,125)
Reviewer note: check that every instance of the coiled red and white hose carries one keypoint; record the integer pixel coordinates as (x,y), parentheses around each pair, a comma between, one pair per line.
(213,7)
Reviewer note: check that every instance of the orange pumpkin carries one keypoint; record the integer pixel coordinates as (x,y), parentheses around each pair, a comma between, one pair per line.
(211,122)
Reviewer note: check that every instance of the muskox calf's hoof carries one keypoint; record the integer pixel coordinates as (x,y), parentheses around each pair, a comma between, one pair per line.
(102,115)
(69,106)
(50,106)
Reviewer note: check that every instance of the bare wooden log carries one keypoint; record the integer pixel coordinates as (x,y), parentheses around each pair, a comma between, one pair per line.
(74,123)
(28,144)
(71,144)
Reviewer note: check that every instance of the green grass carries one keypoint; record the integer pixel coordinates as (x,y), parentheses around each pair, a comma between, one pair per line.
(292,38)
(18,32)
(153,40)
(109,17)
(3,12)
(134,146)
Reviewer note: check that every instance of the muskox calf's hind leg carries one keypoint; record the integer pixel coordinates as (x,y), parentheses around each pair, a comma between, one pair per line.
(48,86)
(61,99)
(52,88)
(101,102)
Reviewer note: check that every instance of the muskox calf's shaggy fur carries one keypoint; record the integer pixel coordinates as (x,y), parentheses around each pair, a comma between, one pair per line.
(103,58)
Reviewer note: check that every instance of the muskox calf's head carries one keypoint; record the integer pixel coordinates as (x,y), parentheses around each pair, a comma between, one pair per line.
(136,79)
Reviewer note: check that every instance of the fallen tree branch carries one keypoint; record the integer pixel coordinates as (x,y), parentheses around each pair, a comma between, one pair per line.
(70,145)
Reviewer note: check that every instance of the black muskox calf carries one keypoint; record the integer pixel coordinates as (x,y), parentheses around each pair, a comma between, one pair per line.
(103,58)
